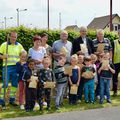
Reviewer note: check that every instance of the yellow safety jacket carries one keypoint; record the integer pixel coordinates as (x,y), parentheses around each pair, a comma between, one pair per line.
(13,52)
(116,58)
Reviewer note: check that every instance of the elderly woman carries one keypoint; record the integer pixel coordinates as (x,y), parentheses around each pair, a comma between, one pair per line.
(37,52)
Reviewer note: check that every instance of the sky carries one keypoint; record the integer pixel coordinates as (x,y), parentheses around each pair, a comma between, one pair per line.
(80,12)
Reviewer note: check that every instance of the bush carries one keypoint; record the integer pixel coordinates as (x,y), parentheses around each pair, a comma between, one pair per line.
(25,35)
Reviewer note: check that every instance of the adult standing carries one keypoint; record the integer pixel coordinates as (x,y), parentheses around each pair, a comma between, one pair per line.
(63,43)
(14,49)
(82,40)
(44,39)
(60,48)
(37,52)
(82,45)
(106,47)
(116,61)
(102,40)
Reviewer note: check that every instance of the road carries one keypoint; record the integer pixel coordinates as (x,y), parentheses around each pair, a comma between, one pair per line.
(96,114)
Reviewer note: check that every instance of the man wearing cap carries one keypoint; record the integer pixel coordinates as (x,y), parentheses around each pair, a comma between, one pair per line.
(14,49)
(116,61)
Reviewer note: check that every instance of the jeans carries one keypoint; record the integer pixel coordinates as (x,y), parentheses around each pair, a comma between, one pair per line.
(11,75)
(89,88)
(60,93)
(104,86)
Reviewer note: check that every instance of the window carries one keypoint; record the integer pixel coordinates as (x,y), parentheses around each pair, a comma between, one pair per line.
(115,27)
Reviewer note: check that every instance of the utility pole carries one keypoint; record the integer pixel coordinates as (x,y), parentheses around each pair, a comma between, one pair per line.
(111,26)
(59,21)
(48,17)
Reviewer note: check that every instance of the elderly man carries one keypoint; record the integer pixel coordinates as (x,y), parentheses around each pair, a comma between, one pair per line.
(62,47)
(100,46)
(82,44)
(106,45)
(116,61)
(14,49)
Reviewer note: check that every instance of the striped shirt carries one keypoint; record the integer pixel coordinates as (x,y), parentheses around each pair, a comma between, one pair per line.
(108,46)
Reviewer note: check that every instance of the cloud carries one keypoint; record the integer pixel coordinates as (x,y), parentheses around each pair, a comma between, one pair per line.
(82,11)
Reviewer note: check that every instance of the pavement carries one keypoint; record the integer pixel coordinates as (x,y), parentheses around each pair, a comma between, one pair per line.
(112,113)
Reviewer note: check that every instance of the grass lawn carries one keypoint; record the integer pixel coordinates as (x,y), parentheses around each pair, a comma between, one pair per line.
(12,112)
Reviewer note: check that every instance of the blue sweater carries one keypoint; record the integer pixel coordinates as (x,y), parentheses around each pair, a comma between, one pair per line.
(20,69)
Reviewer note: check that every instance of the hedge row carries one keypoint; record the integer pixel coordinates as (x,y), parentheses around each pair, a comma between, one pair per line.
(25,35)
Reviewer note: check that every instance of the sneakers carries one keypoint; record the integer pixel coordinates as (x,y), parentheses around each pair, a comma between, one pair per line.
(86,101)
(22,107)
(79,101)
(44,103)
(105,97)
(98,97)
(36,107)
(108,101)
(100,102)
(57,107)
(114,94)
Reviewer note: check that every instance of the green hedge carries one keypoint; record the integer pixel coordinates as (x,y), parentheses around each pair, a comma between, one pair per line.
(25,35)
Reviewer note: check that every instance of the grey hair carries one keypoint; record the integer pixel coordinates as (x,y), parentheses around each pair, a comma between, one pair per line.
(100,31)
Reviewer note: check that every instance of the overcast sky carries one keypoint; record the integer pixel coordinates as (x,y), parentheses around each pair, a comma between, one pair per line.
(79,12)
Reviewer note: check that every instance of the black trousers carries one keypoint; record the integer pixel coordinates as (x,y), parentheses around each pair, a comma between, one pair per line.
(44,92)
(115,77)
(72,97)
(80,89)
(30,98)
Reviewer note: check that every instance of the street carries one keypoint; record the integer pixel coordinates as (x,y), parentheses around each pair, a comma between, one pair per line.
(96,114)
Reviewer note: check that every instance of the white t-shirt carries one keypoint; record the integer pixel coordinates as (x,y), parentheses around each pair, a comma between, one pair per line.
(37,55)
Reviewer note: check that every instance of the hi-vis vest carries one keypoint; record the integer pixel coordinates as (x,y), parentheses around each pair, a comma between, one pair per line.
(116,58)
(13,52)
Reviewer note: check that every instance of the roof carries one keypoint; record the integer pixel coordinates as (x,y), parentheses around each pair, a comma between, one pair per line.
(71,27)
(100,22)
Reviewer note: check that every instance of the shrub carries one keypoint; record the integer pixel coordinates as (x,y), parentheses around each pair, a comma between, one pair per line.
(25,36)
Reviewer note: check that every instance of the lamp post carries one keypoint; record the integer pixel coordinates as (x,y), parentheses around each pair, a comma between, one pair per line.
(5,19)
(2,24)
(18,16)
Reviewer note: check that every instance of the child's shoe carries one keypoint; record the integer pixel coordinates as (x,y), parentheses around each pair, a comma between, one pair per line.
(108,101)
(22,107)
(36,107)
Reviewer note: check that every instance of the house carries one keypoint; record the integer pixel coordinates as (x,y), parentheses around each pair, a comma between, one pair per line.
(104,23)
(72,28)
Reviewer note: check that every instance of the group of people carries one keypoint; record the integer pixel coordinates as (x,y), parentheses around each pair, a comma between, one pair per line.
(84,65)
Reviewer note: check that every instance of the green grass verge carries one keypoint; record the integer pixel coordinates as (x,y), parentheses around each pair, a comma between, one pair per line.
(13,112)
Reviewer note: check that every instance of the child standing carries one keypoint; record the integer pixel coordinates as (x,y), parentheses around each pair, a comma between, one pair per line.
(61,81)
(87,73)
(45,75)
(106,72)
(74,79)
(30,92)
(94,59)
(21,66)
(81,85)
